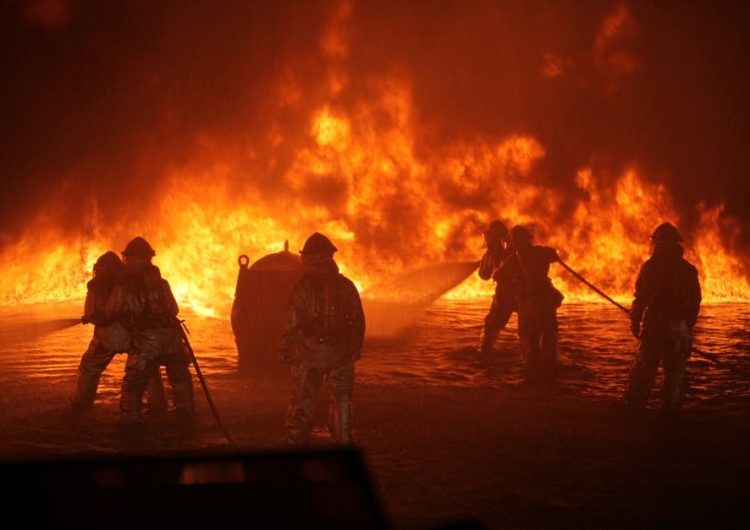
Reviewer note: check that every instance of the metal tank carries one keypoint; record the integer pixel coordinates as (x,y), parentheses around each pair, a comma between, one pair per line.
(260,298)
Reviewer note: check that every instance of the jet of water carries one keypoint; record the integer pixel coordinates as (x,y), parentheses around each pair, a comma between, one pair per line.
(392,305)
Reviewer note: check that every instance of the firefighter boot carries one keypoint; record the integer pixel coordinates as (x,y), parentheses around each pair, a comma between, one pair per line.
(340,421)
(84,394)
(156,396)
(486,344)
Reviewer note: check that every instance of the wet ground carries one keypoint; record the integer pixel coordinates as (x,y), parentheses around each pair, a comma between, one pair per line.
(445,434)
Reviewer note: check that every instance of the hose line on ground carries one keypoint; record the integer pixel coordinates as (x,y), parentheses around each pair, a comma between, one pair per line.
(707,356)
(189,349)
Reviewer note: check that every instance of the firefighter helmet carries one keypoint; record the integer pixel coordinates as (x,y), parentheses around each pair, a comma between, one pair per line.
(496,231)
(666,233)
(109,261)
(139,247)
(318,244)
(519,236)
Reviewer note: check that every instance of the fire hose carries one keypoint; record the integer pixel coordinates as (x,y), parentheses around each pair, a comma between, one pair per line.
(707,356)
(189,349)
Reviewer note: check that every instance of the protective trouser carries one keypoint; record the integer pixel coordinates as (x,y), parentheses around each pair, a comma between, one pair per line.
(537,332)
(153,349)
(671,350)
(308,378)
(93,363)
(494,322)
(341,383)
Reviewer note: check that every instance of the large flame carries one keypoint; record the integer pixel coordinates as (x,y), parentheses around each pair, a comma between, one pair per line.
(350,165)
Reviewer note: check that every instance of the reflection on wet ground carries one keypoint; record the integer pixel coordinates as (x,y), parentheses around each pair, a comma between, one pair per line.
(595,350)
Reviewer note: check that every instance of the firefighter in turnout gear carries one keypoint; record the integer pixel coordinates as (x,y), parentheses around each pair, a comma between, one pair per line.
(665,308)
(322,336)
(110,338)
(144,302)
(504,300)
(537,301)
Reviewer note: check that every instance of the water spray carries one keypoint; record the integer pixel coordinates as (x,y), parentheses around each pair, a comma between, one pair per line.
(391,305)
(16,332)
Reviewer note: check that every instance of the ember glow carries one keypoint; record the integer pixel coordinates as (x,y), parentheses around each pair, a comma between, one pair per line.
(229,128)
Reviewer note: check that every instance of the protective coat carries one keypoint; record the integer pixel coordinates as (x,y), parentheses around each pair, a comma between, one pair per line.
(537,301)
(109,339)
(143,300)
(322,337)
(665,308)
(503,300)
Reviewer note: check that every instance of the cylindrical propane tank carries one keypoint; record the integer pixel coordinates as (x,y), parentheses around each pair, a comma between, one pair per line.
(261,295)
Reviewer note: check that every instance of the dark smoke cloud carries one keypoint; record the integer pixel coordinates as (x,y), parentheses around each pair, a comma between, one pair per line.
(99,98)
(681,113)
(97,105)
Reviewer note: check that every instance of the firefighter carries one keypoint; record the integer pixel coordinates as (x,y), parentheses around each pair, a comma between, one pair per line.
(144,301)
(665,308)
(537,301)
(503,300)
(109,339)
(322,336)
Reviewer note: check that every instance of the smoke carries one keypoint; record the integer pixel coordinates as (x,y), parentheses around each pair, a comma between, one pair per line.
(98,109)
(102,100)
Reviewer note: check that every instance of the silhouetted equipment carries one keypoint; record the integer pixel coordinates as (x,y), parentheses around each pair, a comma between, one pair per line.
(260,298)
(301,490)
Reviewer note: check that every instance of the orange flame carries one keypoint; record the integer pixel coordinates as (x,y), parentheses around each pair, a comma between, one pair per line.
(354,171)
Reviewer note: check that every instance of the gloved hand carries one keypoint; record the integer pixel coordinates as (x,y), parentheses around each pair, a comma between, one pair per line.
(635,329)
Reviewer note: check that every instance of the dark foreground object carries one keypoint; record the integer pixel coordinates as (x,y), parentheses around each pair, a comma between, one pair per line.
(322,489)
